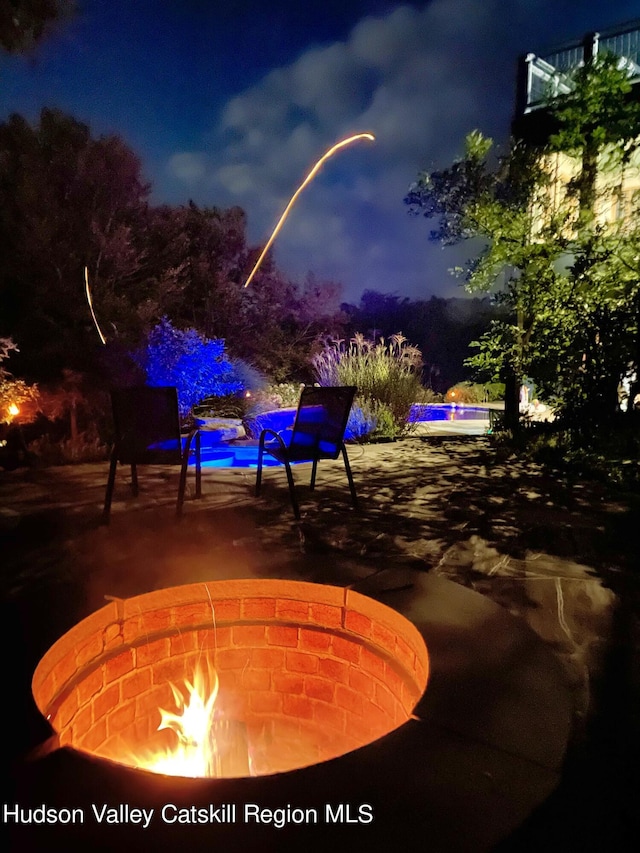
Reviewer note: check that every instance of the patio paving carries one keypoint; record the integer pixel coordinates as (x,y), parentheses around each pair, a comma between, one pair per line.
(475,549)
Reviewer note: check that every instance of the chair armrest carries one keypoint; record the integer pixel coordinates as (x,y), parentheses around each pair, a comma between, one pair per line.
(276,436)
(187,438)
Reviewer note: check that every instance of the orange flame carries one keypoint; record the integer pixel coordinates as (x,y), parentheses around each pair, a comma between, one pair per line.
(342,144)
(196,751)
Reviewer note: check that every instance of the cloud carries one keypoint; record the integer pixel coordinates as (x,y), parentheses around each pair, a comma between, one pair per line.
(187,166)
(419,79)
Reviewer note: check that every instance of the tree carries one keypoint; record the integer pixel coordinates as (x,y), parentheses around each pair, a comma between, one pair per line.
(67,201)
(441,328)
(195,365)
(568,278)
(198,262)
(15,395)
(23,23)
(598,128)
(597,123)
(495,201)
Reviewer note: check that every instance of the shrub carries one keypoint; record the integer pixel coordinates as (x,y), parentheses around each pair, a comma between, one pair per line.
(250,377)
(362,422)
(465,392)
(16,397)
(473,392)
(386,374)
(284,395)
(493,392)
(223,406)
(195,365)
(427,396)
(370,419)
(87,446)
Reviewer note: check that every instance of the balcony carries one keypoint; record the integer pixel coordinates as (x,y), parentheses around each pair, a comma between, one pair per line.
(542,77)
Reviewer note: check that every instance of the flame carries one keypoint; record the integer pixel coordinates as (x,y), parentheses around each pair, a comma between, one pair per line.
(342,144)
(13,410)
(196,752)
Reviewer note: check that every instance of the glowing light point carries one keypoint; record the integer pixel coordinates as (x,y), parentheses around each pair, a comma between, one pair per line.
(13,410)
(342,144)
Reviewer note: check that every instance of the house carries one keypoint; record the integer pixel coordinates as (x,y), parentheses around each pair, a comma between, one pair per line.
(542,77)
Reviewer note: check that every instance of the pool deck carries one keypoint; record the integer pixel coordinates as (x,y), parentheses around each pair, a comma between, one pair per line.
(475,426)
(460,426)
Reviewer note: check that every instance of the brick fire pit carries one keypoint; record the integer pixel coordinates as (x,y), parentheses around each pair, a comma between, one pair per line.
(481,748)
(309,672)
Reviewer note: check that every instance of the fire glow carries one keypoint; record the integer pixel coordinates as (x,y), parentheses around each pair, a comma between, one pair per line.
(290,675)
(196,751)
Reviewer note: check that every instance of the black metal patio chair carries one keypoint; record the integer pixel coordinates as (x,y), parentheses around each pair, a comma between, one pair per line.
(147,432)
(318,433)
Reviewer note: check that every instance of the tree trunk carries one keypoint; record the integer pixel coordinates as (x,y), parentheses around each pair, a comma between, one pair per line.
(634,388)
(588,180)
(73,422)
(512,400)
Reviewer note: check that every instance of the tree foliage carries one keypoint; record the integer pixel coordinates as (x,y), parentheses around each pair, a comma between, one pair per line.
(568,278)
(66,201)
(23,23)
(441,328)
(15,394)
(197,366)
(70,201)
(597,122)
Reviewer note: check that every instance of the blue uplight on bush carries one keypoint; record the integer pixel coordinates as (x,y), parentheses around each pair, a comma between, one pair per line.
(183,358)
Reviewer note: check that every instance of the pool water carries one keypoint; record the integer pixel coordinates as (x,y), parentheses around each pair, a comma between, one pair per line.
(447,412)
(244,453)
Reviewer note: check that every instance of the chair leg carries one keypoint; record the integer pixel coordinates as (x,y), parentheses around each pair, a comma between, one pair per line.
(198,467)
(134,480)
(106,512)
(183,483)
(292,491)
(352,488)
(186,452)
(314,471)
(259,468)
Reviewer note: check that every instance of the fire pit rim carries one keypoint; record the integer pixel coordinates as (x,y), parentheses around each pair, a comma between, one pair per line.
(123,625)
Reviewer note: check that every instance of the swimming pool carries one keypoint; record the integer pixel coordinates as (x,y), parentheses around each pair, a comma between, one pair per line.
(447,412)
(243,453)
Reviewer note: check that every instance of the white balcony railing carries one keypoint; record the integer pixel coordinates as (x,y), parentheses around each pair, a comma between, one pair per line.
(550,75)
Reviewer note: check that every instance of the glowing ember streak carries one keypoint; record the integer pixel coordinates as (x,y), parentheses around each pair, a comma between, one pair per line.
(196,753)
(90,301)
(342,144)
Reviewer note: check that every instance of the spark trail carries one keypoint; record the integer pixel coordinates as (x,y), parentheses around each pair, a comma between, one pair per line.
(90,301)
(342,144)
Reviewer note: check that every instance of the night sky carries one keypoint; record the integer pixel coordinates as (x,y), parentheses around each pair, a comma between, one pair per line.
(230,102)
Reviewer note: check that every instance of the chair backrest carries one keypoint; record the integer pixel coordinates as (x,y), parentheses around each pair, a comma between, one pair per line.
(147,425)
(321,420)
